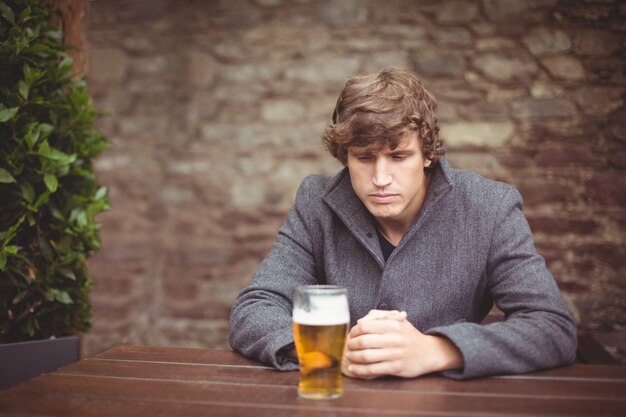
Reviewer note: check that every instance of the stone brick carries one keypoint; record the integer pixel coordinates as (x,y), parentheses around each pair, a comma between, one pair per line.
(545,90)
(107,65)
(505,10)
(402,32)
(610,254)
(564,67)
(378,61)
(608,70)
(438,63)
(202,69)
(453,37)
(367,43)
(516,158)
(539,192)
(140,43)
(599,101)
(454,92)
(608,189)
(268,3)
(282,111)
(457,11)
(505,67)
(446,111)
(324,69)
(234,13)
(542,41)
(563,226)
(483,163)
(495,43)
(617,159)
(543,108)
(341,13)
(581,11)
(511,16)
(568,156)
(595,42)
(484,111)
(232,50)
(477,134)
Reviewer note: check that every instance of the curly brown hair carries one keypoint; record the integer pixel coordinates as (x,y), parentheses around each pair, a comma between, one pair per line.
(381,108)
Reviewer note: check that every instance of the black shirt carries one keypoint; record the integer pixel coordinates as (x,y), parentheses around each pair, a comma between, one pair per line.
(385,245)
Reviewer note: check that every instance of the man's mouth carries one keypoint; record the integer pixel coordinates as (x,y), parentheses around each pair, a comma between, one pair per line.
(383,198)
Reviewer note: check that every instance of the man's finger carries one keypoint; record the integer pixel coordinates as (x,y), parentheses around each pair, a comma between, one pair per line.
(374,370)
(379,326)
(371,341)
(370,356)
(377,315)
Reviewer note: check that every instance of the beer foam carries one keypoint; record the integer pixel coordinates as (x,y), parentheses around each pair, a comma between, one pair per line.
(329,313)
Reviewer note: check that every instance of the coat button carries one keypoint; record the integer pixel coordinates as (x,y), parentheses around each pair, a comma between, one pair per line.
(384,306)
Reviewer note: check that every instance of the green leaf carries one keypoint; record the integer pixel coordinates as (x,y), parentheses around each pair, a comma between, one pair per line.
(32,137)
(5,176)
(66,62)
(56,155)
(23,89)
(28,193)
(12,249)
(7,13)
(7,235)
(51,182)
(3,261)
(55,34)
(62,297)
(69,274)
(31,75)
(101,193)
(8,114)
(46,129)
(42,198)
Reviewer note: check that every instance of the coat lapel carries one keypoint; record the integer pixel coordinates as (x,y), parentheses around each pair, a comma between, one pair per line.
(346,204)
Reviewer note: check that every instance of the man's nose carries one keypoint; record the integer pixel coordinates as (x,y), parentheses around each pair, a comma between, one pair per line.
(382,173)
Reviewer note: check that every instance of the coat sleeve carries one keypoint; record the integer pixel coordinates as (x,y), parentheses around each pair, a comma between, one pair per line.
(260,321)
(538,331)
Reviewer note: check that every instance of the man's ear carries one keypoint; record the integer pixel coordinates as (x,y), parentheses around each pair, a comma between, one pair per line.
(427,162)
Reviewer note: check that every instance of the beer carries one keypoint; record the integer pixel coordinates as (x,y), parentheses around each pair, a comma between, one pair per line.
(321,319)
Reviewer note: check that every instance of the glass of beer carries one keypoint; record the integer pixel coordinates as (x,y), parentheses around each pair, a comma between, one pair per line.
(320,325)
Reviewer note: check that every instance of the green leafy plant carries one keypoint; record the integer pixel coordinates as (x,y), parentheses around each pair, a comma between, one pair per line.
(48,192)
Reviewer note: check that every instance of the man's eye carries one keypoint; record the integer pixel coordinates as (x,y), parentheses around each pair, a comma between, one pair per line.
(398,157)
(364,158)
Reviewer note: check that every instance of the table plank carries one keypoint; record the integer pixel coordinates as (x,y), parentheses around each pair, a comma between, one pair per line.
(228,357)
(178,355)
(571,388)
(381,402)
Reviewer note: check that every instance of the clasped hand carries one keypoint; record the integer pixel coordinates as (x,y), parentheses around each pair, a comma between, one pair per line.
(386,343)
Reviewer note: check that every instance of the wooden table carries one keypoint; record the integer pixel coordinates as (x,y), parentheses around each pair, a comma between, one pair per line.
(157,381)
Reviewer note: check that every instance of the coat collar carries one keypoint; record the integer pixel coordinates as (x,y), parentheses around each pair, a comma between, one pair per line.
(342,199)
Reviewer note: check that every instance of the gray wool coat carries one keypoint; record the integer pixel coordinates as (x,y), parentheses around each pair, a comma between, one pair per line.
(470,246)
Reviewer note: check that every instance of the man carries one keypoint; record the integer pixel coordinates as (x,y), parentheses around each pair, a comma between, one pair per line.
(423,249)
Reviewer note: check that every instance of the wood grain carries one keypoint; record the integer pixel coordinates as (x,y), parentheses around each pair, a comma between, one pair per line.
(156,381)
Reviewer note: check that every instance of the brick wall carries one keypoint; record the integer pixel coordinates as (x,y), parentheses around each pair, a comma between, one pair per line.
(215,110)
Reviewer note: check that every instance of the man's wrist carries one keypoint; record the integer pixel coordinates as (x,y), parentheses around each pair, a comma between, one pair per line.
(446,355)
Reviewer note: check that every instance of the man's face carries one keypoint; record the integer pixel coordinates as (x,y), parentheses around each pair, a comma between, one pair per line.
(391,183)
